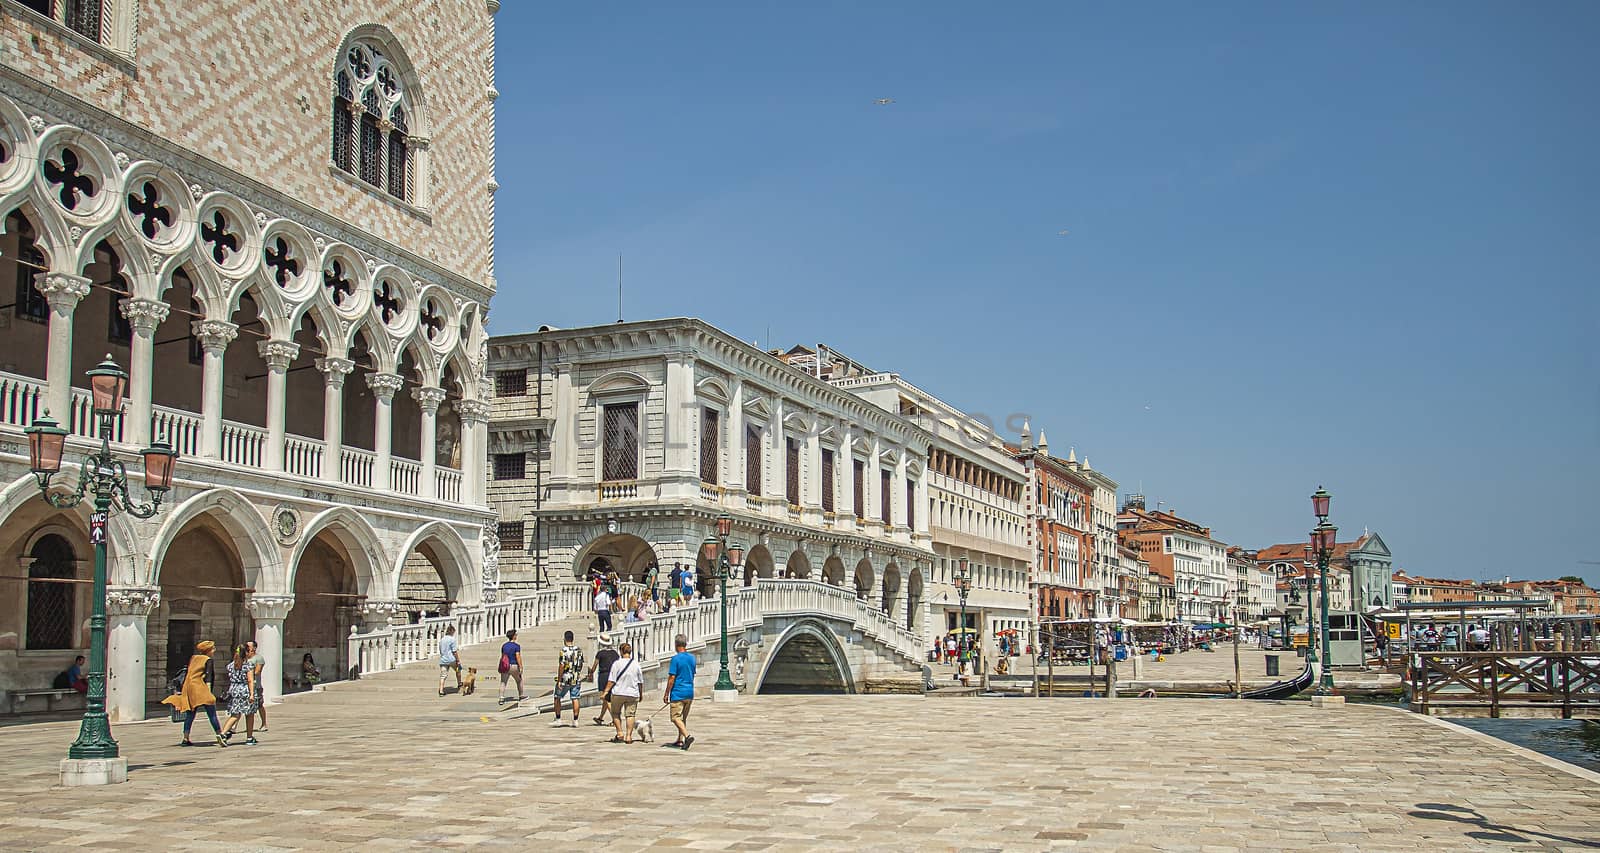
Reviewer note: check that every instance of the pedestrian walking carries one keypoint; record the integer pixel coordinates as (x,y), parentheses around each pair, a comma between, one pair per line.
(674,583)
(242,697)
(600,671)
(511,666)
(602,609)
(258,665)
(450,658)
(624,686)
(569,678)
(679,692)
(194,692)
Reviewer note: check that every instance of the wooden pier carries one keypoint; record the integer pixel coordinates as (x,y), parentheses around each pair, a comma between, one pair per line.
(1496,684)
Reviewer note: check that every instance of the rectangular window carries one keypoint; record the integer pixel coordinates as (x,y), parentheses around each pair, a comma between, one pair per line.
(620,442)
(399,174)
(511,537)
(911,505)
(860,496)
(752,459)
(83,16)
(510,466)
(371,150)
(511,383)
(827,479)
(792,459)
(710,444)
(885,495)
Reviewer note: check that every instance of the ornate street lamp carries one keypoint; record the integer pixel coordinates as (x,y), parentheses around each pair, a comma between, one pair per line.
(963,582)
(102,475)
(1323,537)
(724,559)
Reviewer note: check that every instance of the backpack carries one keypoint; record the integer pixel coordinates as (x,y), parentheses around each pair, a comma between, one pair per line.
(505,663)
(62,682)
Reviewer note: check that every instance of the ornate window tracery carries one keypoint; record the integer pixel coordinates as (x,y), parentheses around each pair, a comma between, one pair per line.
(372,118)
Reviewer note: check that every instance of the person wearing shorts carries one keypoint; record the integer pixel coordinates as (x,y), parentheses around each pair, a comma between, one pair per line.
(679,692)
(569,678)
(449,658)
(624,685)
(511,666)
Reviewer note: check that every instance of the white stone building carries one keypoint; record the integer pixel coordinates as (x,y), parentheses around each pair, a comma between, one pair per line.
(975,500)
(272,248)
(615,447)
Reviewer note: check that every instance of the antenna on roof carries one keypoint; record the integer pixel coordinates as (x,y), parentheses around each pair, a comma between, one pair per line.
(619,287)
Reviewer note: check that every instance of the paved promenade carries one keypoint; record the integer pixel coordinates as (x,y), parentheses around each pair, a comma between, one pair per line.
(392,766)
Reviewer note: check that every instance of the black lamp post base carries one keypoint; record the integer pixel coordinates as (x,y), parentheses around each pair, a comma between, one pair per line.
(82,772)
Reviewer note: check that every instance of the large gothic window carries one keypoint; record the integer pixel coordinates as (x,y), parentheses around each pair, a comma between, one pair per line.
(51,568)
(372,121)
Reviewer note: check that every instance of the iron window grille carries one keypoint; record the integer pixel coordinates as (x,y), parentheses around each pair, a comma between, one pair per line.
(710,444)
(50,610)
(620,442)
(511,536)
(511,383)
(510,466)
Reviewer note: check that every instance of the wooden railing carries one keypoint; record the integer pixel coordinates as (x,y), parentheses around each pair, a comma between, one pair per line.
(1554,682)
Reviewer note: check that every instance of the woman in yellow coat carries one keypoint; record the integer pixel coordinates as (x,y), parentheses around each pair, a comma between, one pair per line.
(196,692)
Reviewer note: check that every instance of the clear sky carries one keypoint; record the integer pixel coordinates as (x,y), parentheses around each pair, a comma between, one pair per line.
(1348,244)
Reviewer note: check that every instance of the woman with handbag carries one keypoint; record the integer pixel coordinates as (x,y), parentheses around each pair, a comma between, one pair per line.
(195,692)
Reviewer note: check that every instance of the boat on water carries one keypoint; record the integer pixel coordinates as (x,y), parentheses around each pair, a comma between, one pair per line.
(1284,689)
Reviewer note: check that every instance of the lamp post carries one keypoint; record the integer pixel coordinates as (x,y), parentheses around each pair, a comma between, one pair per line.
(963,582)
(724,559)
(103,476)
(1323,537)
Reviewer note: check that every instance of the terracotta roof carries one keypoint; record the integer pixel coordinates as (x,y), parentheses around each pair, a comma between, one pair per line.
(1297,551)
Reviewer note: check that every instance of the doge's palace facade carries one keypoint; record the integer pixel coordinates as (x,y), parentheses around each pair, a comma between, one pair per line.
(278,217)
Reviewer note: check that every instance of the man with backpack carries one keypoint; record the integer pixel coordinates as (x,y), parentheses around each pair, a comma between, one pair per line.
(569,679)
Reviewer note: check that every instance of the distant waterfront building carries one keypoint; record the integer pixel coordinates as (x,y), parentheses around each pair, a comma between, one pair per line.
(1358,571)
(1064,579)
(1185,554)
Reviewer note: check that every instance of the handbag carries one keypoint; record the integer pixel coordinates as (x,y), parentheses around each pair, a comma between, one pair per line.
(505,664)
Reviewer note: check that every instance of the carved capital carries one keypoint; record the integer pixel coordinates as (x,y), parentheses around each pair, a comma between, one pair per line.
(473,411)
(334,370)
(214,335)
(428,397)
(419,143)
(131,600)
(384,385)
(278,354)
(270,606)
(144,315)
(62,290)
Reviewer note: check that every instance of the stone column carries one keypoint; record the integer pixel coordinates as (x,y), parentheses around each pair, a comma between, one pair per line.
(874,482)
(214,335)
(733,476)
(278,355)
(681,450)
(428,400)
(127,611)
(474,432)
(384,386)
(63,291)
(564,431)
(777,474)
(144,315)
(844,502)
(269,612)
(334,371)
(811,451)
(897,500)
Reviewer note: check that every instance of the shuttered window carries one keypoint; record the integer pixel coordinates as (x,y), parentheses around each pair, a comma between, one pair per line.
(860,478)
(710,444)
(827,480)
(792,466)
(752,459)
(885,496)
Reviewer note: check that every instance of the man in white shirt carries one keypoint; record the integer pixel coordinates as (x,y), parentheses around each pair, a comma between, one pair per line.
(449,658)
(602,608)
(624,685)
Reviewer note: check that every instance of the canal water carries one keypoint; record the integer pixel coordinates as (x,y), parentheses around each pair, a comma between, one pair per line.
(1573,741)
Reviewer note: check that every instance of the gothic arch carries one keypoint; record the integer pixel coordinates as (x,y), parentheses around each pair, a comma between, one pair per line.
(258,551)
(456,563)
(358,537)
(125,562)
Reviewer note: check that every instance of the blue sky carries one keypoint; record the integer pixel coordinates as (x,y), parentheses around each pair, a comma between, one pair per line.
(1350,245)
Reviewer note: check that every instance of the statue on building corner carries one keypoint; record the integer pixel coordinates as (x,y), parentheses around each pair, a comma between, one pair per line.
(491,561)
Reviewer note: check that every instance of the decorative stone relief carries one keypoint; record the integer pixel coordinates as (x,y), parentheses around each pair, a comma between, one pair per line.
(269,606)
(491,562)
(286,525)
(131,600)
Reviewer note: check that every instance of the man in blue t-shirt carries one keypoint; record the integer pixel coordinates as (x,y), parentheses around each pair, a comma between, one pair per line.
(680,690)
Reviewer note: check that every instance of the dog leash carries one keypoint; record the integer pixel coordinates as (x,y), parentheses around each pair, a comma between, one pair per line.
(655,712)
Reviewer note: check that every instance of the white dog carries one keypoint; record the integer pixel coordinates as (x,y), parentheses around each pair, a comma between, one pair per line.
(643,730)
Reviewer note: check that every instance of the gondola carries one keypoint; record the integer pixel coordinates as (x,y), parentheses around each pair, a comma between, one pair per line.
(1283,689)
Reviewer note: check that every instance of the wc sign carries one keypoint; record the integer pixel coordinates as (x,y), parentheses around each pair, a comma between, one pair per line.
(97,529)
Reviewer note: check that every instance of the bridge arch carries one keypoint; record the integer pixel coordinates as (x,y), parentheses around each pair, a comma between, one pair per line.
(806,658)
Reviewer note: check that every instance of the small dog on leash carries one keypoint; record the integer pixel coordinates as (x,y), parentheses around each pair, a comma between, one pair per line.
(469,682)
(644,730)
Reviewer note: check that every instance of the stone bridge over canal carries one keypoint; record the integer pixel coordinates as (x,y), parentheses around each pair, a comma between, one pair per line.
(785,636)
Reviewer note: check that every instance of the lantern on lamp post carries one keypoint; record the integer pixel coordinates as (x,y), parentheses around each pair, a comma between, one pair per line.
(724,560)
(963,582)
(1323,537)
(103,476)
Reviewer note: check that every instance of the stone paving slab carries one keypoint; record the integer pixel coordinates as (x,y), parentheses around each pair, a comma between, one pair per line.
(410,771)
